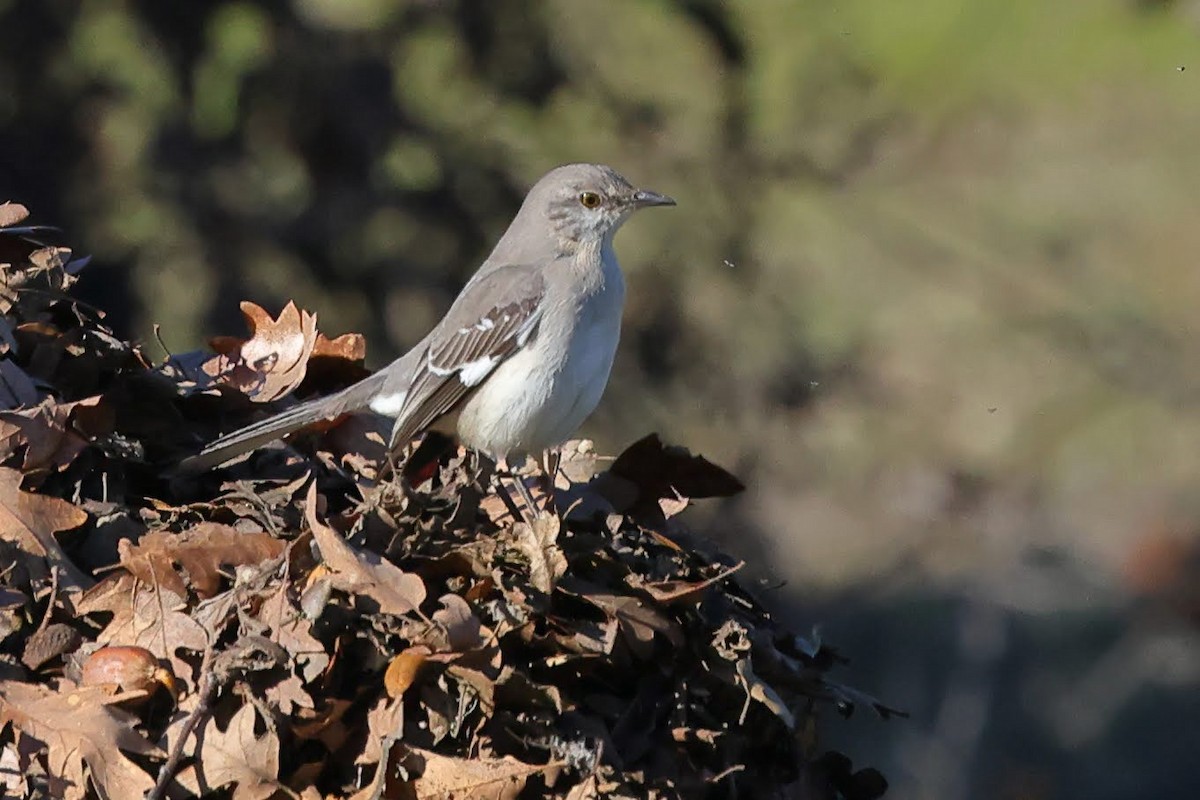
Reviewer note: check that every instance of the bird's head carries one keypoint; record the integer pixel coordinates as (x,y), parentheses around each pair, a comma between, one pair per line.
(584,204)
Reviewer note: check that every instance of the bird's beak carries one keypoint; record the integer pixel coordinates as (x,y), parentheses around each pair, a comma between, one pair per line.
(644,198)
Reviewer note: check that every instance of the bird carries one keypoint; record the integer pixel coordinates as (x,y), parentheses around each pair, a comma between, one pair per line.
(524,352)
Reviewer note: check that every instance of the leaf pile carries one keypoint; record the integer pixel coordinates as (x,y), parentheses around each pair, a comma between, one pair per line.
(292,627)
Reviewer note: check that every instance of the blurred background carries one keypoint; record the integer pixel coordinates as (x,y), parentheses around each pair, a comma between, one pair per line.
(930,291)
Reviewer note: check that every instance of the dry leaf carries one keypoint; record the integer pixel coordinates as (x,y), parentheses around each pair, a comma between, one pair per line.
(476,778)
(31,520)
(403,670)
(83,737)
(537,542)
(239,755)
(50,441)
(274,360)
(660,471)
(11,213)
(348,347)
(147,616)
(676,591)
(385,723)
(363,572)
(198,552)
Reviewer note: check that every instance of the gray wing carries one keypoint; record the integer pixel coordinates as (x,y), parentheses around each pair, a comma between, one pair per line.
(493,317)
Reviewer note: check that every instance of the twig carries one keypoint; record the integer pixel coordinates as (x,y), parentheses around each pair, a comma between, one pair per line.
(50,602)
(209,683)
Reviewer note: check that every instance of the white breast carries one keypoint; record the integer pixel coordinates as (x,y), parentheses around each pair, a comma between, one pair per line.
(539,397)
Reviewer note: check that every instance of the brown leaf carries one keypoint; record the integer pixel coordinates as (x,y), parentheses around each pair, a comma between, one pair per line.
(198,553)
(240,755)
(363,572)
(660,471)
(385,723)
(474,778)
(669,592)
(147,616)
(11,213)
(274,360)
(83,735)
(292,631)
(31,520)
(460,624)
(537,542)
(348,347)
(403,671)
(46,433)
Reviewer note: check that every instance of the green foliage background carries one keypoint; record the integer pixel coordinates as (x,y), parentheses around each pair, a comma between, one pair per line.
(930,289)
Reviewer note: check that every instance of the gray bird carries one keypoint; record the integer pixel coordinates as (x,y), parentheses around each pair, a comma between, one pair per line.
(524,353)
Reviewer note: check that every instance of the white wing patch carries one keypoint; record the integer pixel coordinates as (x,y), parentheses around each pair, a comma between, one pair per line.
(475,371)
(389,404)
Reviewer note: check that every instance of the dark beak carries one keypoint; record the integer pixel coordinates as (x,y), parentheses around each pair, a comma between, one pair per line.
(644,198)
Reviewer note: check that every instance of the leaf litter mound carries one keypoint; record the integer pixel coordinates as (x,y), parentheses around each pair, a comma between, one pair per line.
(296,626)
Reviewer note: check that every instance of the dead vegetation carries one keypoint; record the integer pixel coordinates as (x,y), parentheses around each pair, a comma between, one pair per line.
(290,627)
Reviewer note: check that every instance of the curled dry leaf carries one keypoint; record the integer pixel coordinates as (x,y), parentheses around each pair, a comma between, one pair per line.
(537,542)
(274,360)
(677,591)
(362,572)
(403,670)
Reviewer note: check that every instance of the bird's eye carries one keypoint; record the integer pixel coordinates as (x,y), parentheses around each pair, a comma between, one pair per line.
(589,200)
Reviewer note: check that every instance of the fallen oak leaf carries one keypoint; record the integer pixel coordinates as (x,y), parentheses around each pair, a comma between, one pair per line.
(475,778)
(147,616)
(363,572)
(50,441)
(83,736)
(200,552)
(31,520)
(273,361)
(348,347)
(237,755)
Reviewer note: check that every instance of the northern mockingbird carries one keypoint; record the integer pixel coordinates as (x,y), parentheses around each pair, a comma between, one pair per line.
(524,352)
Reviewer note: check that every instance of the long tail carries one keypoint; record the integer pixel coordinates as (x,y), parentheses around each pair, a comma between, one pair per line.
(234,444)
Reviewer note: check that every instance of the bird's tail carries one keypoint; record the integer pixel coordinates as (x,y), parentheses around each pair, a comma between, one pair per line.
(243,440)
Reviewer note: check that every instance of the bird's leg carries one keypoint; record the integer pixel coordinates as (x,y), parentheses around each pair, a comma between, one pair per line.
(498,478)
(551,459)
(531,507)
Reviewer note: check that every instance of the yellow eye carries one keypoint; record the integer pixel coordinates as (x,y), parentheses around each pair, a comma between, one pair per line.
(589,200)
